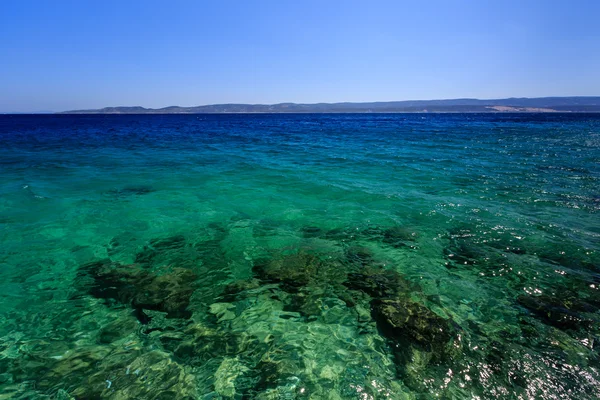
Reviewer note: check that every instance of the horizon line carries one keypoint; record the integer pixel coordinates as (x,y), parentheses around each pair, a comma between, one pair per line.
(300,103)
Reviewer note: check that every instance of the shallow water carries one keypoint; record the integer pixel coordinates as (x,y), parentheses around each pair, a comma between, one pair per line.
(368,256)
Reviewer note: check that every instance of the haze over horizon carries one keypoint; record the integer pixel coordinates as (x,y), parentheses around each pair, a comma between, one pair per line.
(84,56)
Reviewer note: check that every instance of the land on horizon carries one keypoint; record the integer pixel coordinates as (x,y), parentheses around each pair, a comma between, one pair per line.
(540,104)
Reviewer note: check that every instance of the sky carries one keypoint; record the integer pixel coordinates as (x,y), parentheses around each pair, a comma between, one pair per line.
(61,55)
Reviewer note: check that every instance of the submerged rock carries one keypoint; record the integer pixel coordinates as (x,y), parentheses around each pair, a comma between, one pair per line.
(199,343)
(571,256)
(112,281)
(169,292)
(419,339)
(399,236)
(293,270)
(73,371)
(311,231)
(154,375)
(235,288)
(117,330)
(341,234)
(404,320)
(86,370)
(321,290)
(114,375)
(318,303)
(379,283)
(464,252)
(298,330)
(131,191)
(359,256)
(308,283)
(560,313)
(417,336)
(488,251)
(299,269)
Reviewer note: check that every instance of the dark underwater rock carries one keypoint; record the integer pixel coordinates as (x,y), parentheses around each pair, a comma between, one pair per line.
(311,231)
(296,270)
(417,336)
(398,236)
(309,285)
(466,249)
(560,313)
(359,256)
(265,227)
(132,191)
(200,343)
(465,252)
(268,375)
(233,289)
(117,330)
(141,316)
(379,283)
(169,292)
(111,280)
(420,340)
(572,257)
(73,372)
(310,302)
(339,234)
(511,249)
(104,371)
(403,320)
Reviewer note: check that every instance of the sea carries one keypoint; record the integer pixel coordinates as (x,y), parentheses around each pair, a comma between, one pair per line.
(300,256)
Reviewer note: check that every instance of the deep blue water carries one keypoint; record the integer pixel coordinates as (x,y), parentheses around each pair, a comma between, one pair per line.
(335,256)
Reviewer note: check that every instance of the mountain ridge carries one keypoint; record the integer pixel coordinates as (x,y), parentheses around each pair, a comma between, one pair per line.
(513,104)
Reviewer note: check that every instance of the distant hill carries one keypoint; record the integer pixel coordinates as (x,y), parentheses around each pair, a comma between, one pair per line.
(541,104)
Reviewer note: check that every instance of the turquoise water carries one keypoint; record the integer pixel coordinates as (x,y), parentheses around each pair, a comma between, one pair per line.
(368,256)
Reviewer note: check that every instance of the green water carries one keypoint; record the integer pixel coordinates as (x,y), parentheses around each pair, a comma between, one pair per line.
(300,257)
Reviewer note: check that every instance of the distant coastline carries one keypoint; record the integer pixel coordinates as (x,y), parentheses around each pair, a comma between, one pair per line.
(537,105)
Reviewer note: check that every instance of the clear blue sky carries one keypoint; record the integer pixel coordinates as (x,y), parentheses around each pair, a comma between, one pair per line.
(57,55)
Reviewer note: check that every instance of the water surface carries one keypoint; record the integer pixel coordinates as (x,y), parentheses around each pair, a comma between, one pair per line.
(365,256)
